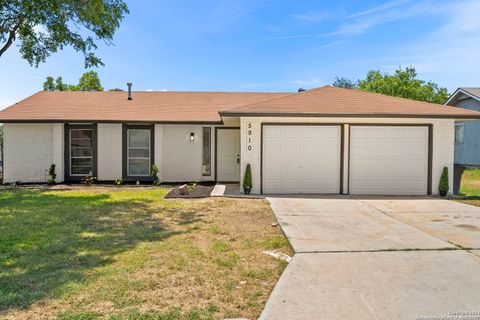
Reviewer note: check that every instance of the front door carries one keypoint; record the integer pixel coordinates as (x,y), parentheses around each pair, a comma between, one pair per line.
(228,154)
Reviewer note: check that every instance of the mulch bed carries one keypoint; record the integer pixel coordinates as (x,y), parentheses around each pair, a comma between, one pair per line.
(200,191)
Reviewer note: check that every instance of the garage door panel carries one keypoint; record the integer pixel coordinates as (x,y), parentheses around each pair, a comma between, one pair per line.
(301,159)
(389,160)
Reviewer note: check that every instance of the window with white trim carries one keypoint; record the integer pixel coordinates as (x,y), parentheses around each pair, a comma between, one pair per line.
(459,130)
(81,152)
(138,152)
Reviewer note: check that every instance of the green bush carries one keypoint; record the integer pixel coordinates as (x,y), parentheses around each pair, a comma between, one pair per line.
(154,175)
(443,185)
(247,178)
(52,174)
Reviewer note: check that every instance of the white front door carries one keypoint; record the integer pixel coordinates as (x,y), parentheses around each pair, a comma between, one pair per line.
(301,159)
(228,155)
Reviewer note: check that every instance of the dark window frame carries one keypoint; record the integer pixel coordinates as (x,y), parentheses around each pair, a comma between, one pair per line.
(209,129)
(67,128)
(125,128)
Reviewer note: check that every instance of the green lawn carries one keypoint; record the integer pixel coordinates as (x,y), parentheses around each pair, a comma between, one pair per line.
(131,254)
(470,188)
(471,183)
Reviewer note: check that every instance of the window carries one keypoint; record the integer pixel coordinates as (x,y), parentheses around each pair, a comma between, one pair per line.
(207,152)
(138,152)
(459,128)
(81,152)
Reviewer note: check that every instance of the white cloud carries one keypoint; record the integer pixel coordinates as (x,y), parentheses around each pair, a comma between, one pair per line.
(361,22)
(447,55)
(382,7)
(315,16)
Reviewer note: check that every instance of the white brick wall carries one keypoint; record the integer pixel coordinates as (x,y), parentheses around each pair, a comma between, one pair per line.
(30,149)
(443,145)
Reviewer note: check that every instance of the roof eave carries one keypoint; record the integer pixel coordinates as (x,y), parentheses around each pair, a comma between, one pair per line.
(108,121)
(349,115)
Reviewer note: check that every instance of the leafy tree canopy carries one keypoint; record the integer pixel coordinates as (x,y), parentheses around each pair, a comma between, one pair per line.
(89,81)
(403,83)
(343,83)
(44,27)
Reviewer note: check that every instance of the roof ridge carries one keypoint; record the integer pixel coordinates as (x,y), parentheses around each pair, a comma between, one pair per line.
(168,91)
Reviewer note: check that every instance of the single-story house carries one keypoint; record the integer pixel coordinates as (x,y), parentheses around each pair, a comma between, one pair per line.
(467,142)
(327,140)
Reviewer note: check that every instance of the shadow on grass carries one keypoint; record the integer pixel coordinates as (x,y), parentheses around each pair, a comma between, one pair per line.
(49,240)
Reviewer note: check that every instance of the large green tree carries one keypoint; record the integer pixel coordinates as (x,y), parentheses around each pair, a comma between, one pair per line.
(403,83)
(43,27)
(89,81)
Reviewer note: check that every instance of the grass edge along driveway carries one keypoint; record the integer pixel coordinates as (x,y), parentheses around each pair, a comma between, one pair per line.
(131,254)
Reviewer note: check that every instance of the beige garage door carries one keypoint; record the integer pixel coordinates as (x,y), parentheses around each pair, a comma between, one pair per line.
(301,159)
(388,160)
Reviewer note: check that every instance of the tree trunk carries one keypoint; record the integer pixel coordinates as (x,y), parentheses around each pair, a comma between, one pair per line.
(11,38)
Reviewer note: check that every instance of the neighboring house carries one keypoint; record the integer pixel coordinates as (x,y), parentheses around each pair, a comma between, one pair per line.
(326,140)
(467,134)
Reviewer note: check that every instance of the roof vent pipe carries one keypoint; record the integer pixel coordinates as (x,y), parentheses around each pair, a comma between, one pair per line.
(301,89)
(129,90)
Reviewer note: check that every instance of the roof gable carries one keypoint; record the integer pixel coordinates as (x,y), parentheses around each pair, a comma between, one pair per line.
(471,92)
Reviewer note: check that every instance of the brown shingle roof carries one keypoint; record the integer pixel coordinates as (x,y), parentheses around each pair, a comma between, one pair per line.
(332,101)
(206,106)
(145,106)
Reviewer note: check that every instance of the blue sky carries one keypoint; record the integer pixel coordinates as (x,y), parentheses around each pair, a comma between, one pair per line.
(269,45)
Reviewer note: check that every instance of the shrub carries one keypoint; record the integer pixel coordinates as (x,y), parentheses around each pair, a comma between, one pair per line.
(191,186)
(443,185)
(88,180)
(52,174)
(247,179)
(17,183)
(154,175)
(118,182)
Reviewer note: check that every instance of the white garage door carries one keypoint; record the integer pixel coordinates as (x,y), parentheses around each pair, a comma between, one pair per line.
(301,159)
(390,160)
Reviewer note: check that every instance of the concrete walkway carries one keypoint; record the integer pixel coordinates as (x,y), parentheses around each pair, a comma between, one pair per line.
(377,259)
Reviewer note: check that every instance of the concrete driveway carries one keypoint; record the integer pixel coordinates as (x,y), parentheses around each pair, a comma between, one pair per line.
(377,259)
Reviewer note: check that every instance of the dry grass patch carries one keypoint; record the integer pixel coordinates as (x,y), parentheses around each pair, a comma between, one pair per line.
(134,255)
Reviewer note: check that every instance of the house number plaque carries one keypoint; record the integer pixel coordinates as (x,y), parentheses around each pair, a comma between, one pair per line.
(249,136)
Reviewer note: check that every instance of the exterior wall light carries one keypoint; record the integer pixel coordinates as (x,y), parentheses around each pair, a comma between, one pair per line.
(192,136)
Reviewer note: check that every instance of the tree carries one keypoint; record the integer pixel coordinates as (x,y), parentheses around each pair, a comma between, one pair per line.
(403,83)
(44,27)
(55,85)
(89,81)
(343,83)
